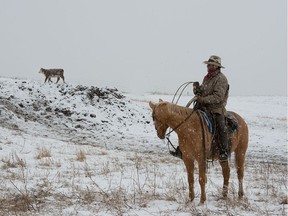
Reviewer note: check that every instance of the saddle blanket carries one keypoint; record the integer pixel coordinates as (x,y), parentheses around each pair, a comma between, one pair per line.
(207,120)
(232,123)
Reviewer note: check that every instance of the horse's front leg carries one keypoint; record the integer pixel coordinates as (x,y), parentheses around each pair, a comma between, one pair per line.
(190,172)
(226,176)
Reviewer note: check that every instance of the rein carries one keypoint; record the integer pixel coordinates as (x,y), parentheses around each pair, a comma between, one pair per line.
(202,131)
(189,103)
(203,140)
(174,129)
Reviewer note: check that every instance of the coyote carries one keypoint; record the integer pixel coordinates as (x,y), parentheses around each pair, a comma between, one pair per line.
(49,73)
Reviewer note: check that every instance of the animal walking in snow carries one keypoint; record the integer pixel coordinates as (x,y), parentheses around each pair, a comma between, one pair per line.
(49,73)
(195,142)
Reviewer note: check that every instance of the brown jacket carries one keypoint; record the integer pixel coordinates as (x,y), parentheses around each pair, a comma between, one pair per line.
(215,93)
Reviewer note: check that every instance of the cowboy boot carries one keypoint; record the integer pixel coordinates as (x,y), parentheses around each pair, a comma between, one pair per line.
(223,145)
(223,137)
(223,152)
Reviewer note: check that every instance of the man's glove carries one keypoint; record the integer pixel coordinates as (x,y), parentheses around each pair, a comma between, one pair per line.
(197,89)
(200,100)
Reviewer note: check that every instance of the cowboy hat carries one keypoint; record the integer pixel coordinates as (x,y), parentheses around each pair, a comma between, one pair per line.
(214,60)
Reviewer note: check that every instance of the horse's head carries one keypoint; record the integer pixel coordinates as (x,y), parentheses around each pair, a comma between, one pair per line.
(158,118)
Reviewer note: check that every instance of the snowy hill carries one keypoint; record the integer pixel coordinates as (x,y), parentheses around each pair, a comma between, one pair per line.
(71,113)
(76,150)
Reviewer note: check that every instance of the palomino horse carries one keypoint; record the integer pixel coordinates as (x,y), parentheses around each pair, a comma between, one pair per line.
(195,141)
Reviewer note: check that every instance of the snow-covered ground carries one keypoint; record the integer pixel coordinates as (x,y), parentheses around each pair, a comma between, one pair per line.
(79,150)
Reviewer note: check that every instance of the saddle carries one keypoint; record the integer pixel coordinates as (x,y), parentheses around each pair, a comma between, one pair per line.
(231,124)
(230,119)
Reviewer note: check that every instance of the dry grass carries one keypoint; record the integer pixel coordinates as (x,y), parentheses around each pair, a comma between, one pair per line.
(43,153)
(140,100)
(18,203)
(80,156)
(46,162)
(284,118)
(284,201)
(115,186)
(13,161)
(21,199)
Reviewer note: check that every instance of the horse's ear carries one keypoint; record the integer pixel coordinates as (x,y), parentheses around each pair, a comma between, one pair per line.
(152,105)
(160,100)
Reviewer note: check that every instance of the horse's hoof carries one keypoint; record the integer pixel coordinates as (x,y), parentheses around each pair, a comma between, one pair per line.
(240,194)
(187,201)
(225,191)
(200,203)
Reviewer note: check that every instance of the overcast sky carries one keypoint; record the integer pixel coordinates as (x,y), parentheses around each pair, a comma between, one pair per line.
(149,45)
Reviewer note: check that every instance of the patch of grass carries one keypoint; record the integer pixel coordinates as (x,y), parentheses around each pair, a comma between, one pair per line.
(13,161)
(80,156)
(18,203)
(46,162)
(284,201)
(43,153)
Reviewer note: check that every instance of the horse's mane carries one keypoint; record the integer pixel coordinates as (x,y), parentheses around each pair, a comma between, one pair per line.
(174,108)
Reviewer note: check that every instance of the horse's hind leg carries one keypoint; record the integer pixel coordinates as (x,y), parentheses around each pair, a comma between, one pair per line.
(240,152)
(226,176)
(240,159)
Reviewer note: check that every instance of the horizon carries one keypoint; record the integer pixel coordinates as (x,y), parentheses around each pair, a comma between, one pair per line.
(184,93)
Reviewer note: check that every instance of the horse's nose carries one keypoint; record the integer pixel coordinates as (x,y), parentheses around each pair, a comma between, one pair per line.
(161,136)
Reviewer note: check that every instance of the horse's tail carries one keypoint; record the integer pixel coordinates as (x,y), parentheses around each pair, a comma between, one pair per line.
(242,136)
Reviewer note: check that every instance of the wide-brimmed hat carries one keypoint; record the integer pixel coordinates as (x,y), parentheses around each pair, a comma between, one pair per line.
(214,60)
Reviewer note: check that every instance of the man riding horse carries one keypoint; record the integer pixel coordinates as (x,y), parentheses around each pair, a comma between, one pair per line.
(194,138)
(211,97)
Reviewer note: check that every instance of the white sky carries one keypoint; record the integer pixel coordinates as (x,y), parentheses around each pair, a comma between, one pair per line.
(143,46)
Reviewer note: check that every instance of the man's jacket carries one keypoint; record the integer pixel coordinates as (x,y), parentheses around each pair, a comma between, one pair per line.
(215,93)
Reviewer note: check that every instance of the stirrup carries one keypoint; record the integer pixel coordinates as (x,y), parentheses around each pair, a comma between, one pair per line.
(223,157)
(177,153)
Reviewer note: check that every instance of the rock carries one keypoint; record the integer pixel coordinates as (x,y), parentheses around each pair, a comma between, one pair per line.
(92,115)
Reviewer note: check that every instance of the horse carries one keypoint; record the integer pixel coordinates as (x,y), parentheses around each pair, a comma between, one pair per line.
(195,140)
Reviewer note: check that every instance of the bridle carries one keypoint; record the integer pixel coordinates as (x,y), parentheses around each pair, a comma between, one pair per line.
(174,129)
(179,125)
(169,143)
(183,86)
(203,133)
(188,104)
